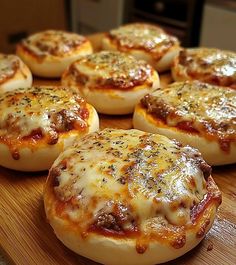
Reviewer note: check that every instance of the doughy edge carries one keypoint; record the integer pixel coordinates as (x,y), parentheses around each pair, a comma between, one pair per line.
(41,157)
(52,66)
(112,101)
(109,251)
(210,150)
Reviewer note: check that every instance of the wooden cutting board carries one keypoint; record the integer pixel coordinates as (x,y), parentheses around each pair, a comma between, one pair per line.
(27,239)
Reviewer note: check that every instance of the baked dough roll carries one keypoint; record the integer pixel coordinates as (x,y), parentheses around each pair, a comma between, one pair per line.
(37,123)
(144,41)
(208,65)
(129,197)
(194,113)
(13,73)
(113,82)
(49,52)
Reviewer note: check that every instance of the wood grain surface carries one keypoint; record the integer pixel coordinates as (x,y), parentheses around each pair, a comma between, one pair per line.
(27,239)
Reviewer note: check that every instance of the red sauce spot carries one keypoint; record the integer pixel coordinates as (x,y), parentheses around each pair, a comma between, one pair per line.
(15,154)
(213,195)
(60,208)
(179,242)
(141,248)
(107,232)
(225,145)
(192,182)
(84,113)
(35,135)
(201,232)
(81,79)
(187,126)
(210,246)
(84,234)
(200,207)
(119,233)
(55,172)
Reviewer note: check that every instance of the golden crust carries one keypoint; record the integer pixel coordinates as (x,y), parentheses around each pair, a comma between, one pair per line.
(49,53)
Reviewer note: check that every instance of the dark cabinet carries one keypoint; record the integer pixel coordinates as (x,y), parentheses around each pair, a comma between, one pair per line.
(179,17)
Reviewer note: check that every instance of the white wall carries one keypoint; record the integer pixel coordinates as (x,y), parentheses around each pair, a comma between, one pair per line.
(219,27)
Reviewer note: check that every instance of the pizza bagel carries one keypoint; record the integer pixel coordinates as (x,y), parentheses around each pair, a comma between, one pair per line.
(49,52)
(144,41)
(113,82)
(13,73)
(130,195)
(194,113)
(37,123)
(210,65)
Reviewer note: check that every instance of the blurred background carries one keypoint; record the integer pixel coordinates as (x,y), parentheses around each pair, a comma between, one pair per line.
(210,23)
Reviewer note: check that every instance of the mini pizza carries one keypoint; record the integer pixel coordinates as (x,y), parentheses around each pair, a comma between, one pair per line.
(37,123)
(13,73)
(113,82)
(194,113)
(144,41)
(48,53)
(130,195)
(208,65)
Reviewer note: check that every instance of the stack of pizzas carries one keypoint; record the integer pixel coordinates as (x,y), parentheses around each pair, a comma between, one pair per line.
(146,194)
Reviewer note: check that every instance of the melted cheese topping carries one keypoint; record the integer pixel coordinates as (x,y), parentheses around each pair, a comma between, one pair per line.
(9,64)
(110,69)
(143,36)
(52,42)
(209,60)
(121,180)
(209,65)
(46,108)
(210,109)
